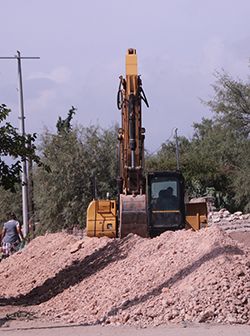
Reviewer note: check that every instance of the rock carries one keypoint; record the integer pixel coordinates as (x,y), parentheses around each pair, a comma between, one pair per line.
(237,213)
(204,316)
(231,319)
(76,247)
(226,214)
(174,313)
(125,317)
(240,272)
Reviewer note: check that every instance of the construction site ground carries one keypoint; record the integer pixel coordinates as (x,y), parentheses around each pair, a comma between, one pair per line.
(177,330)
(180,283)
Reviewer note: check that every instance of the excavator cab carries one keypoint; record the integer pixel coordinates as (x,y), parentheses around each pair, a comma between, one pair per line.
(166,208)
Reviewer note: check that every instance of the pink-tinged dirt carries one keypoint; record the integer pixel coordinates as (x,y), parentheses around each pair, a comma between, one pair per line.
(178,277)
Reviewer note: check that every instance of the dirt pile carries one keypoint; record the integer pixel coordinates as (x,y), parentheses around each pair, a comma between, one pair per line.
(179,276)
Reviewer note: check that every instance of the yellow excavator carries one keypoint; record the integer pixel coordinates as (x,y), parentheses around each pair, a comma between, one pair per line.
(146,205)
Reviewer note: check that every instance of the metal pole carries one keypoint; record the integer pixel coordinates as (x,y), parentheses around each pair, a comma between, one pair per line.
(22,132)
(23,159)
(177,150)
(30,193)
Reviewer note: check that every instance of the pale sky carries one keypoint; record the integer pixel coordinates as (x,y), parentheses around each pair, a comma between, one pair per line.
(82,45)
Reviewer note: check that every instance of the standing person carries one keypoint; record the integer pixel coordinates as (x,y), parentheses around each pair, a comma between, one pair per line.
(12,236)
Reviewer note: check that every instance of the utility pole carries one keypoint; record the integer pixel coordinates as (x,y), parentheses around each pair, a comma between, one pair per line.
(177,150)
(30,193)
(18,57)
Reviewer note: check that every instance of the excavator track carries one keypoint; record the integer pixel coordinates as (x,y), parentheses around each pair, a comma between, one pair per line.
(133,216)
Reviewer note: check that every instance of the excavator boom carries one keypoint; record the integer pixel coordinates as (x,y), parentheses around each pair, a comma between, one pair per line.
(131,182)
(131,134)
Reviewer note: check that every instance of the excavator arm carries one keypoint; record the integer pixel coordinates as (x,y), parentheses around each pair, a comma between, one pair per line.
(131,182)
(131,203)
(131,134)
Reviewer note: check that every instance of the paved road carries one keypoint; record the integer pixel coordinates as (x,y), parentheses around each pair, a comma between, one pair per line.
(204,330)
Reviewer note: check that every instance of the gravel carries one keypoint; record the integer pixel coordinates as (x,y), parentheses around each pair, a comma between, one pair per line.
(179,276)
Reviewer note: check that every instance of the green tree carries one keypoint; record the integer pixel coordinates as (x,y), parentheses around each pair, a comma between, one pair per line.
(241,179)
(231,103)
(217,157)
(165,158)
(212,159)
(231,106)
(75,158)
(64,125)
(14,146)
(10,202)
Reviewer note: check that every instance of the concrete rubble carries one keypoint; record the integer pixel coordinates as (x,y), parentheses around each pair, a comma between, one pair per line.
(230,222)
(181,276)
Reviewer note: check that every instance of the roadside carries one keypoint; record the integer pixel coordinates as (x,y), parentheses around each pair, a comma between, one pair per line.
(78,330)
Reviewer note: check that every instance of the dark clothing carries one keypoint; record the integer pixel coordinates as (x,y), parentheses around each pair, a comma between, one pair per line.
(11,234)
(167,201)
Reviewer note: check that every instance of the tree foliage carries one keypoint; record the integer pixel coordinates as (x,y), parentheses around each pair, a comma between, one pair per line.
(14,146)
(231,106)
(217,157)
(10,202)
(75,157)
(64,125)
(231,103)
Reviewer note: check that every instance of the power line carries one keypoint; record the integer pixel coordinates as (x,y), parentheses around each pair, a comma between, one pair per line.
(156,150)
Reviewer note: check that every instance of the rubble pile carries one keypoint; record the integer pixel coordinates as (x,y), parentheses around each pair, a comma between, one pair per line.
(40,260)
(230,222)
(179,276)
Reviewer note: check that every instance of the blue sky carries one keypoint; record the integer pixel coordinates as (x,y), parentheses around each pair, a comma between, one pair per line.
(82,45)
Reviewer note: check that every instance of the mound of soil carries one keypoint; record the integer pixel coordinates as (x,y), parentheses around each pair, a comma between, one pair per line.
(179,276)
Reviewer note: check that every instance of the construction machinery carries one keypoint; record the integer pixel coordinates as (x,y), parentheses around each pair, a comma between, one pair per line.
(146,205)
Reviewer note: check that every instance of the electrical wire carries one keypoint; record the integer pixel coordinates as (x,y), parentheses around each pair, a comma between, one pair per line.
(156,150)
